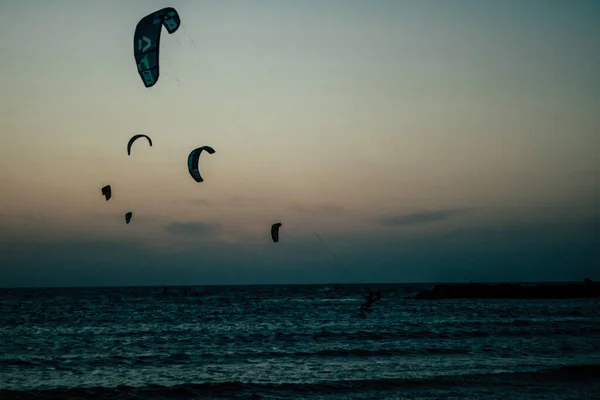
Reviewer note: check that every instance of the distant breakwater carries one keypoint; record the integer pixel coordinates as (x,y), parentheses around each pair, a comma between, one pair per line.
(588,289)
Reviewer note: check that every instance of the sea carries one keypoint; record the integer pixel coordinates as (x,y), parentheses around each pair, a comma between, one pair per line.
(293,342)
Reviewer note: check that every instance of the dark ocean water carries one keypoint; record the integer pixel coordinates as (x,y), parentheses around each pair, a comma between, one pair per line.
(293,342)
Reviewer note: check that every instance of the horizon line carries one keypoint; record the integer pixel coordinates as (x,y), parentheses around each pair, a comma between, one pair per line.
(285,284)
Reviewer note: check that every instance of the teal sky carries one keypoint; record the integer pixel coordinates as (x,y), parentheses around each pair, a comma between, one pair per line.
(422,140)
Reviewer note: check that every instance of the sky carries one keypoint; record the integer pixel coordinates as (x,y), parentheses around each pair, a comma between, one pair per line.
(396,141)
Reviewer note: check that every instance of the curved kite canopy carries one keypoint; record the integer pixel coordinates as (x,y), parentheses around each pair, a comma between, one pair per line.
(275,232)
(133,139)
(146,42)
(193,161)
(128,217)
(107,192)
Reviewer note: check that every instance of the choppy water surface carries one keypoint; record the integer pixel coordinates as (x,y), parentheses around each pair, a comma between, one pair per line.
(291,342)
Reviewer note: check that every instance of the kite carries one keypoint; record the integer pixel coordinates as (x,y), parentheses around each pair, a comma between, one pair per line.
(275,232)
(133,139)
(128,217)
(107,192)
(146,42)
(193,162)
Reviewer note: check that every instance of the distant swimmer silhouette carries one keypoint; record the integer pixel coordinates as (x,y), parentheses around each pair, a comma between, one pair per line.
(370,298)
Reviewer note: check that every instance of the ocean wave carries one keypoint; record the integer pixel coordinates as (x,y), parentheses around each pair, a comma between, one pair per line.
(239,390)
(175,358)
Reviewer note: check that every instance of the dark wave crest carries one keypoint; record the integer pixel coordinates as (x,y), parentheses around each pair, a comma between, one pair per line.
(239,390)
(67,363)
